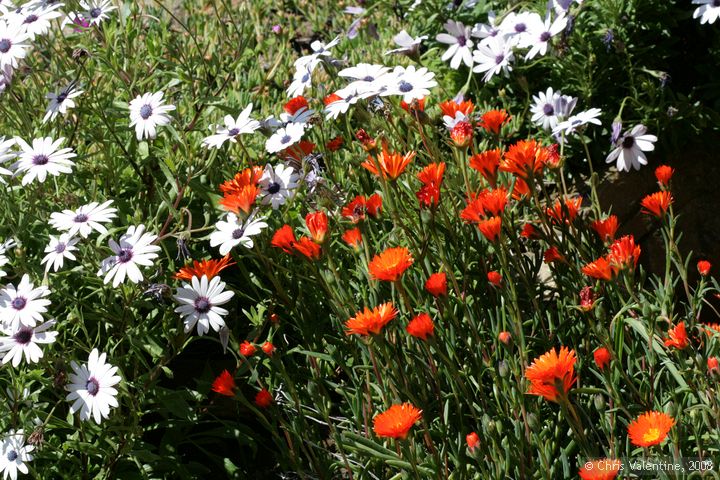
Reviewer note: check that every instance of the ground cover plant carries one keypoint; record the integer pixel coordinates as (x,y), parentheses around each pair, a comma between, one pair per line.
(360,240)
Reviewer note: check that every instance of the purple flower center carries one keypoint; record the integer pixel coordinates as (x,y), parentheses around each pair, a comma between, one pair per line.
(62,97)
(92,386)
(81,218)
(95,12)
(548,109)
(520,27)
(23,335)
(125,255)
(716,3)
(628,142)
(369,78)
(305,78)
(545,36)
(233,131)
(5,45)
(405,86)
(18,303)
(461,41)
(499,59)
(40,159)
(285,139)
(31,18)
(202,305)
(238,233)
(60,247)
(145,111)
(12,456)
(273,188)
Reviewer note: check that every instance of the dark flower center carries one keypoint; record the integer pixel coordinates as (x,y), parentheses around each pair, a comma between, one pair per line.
(233,131)
(23,335)
(285,139)
(60,247)
(405,86)
(81,218)
(40,159)
(92,386)
(18,303)
(62,97)
(125,255)
(31,18)
(716,3)
(238,233)
(520,27)
(548,109)
(95,12)
(12,455)
(5,45)
(499,59)
(369,78)
(202,305)
(545,36)
(628,142)
(305,78)
(461,41)
(273,188)
(145,111)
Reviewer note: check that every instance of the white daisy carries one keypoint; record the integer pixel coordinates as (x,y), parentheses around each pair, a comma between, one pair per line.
(95,11)
(302,116)
(368,79)
(147,112)
(451,122)
(3,258)
(541,33)
(460,45)
(6,76)
(302,79)
(232,232)
(493,55)
(562,6)
(319,49)
(630,147)
(518,25)
(61,101)
(41,158)
(199,301)
(411,83)
(284,137)
(708,11)
(234,127)
(544,109)
(135,248)
(58,250)
(277,184)
(485,30)
(408,45)
(35,20)
(12,43)
(6,6)
(573,123)
(347,96)
(92,387)
(6,154)
(85,219)
(23,305)
(14,454)
(24,341)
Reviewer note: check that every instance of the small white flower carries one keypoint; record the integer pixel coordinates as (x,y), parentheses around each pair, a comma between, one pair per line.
(14,454)
(6,76)
(147,112)
(95,11)
(35,20)
(42,158)
(92,387)
(23,305)
(550,108)
(347,96)
(6,6)
(135,248)
(231,232)
(12,43)
(541,33)
(516,26)
(6,154)
(368,79)
(493,55)
(60,102)
(578,120)
(485,30)
(284,137)
(58,250)
(319,49)
(199,304)
(630,147)
(277,184)
(302,79)
(3,258)
(85,219)
(234,127)
(708,11)
(411,83)
(408,45)
(460,49)
(24,341)
(301,117)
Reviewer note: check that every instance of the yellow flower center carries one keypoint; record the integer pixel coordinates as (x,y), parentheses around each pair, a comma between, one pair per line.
(652,435)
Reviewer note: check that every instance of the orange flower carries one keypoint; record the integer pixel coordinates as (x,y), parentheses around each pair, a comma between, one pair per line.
(493,120)
(552,255)
(495,278)
(703,267)
(462,134)
(602,469)
(600,269)
(505,337)
(209,268)
(359,206)
(415,105)
(520,189)
(334,144)
(352,237)
(525,158)
(333,97)
(298,151)
(490,228)
(606,228)
(396,421)
(224,384)
(650,428)
(602,357)
(263,399)
(451,107)
(664,173)
(391,164)
(564,212)
(268,348)
(436,285)
(713,365)
(472,440)
(249,176)
(284,238)
(247,349)
(431,177)
(484,204)
(550,371)
(529,232)
(240,200)
(587,299)
(308,248)
(371,321)
(317,224)
(677,337)
(295,104)
(657,203)
(368,143)
(421,326)
(390,264)
(624,253)
(487,163)
(712,328)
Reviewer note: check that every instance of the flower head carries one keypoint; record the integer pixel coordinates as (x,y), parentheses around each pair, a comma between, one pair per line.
(495,278)
(14,454)
(147,112)
(664,173)
(247,349)
(91,387)
(472,440)
(703,267)
(630,147)
(601,355)
(601,469)
(391,164)
(487,163)
(553,374)
(389,265)
(525,158)
(658,203)
(232,232)
(233,128)
(624,253)
(210,268)
(264,398)
(421,326)
(24,340)
(677,337)
(317,224)
(650,428)
(135,248)
(436,284)
(308,248)
(85,219)
(372,321)
(606,228)
(22,305)
(224,384)
(352,237)
(42,158)
(200,302)
(493,120)
(396,421)
(599,269)
(359,206)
